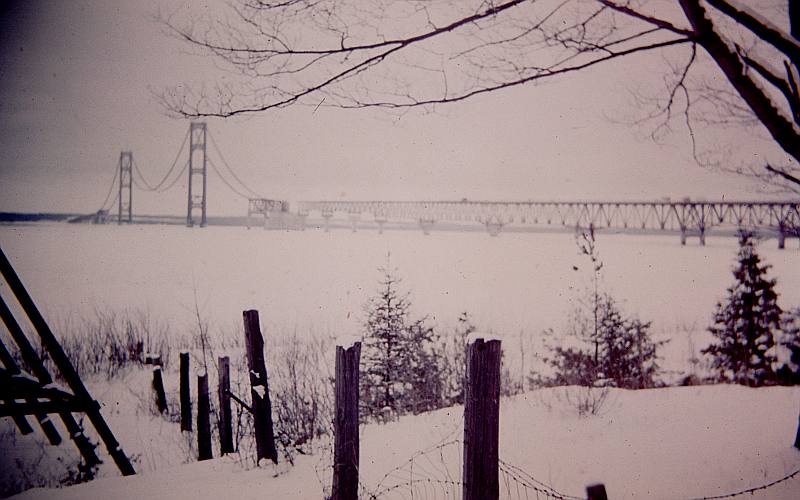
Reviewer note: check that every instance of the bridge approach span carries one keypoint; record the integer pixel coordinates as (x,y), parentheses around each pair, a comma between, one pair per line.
(686,217)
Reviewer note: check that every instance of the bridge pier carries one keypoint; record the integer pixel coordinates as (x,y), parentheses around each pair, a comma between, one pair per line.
(683,235)
(354,218)
(426,224)
(327,214)
(494,228)
(702,235)
(494,224)
(380,220)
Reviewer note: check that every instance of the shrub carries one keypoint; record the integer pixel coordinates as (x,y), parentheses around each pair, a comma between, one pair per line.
(610,349)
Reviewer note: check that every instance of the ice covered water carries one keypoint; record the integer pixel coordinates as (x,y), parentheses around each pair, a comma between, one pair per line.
(318,281)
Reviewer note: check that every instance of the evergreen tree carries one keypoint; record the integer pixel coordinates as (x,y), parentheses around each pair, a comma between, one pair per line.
(400,370)
(615,350)
(747,322)
(786,353)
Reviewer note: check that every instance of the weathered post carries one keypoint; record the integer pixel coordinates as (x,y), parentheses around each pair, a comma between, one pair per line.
(158,387)
(203,419)
(346,443)
(596,492)
(185,394)
(225,419)
(259,388)
(797,435)
(482,421)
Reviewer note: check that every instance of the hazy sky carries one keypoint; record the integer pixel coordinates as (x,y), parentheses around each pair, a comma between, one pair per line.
(75,89)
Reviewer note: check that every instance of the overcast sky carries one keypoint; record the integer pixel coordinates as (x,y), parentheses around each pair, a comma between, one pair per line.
(75,90)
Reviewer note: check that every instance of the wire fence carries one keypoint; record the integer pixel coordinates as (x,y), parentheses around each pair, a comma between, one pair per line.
(435,473)
(753,490)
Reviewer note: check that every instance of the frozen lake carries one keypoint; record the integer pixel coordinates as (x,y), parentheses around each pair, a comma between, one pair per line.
(317,281)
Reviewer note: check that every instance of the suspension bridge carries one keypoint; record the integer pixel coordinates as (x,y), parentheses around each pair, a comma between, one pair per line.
(688,218)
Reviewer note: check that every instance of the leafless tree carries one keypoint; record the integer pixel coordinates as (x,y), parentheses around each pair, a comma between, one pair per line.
(727,65)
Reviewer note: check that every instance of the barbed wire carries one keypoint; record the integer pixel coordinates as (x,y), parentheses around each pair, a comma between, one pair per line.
(527,483)
(751,490)
(426,474)
(435,473)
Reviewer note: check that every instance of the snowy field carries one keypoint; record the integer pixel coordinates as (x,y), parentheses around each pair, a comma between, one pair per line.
(678,442)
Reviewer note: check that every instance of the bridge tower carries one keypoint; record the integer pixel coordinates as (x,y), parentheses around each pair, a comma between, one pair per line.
(125,213)
(197,173)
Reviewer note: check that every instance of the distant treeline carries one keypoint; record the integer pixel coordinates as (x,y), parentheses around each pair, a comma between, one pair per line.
(35,217)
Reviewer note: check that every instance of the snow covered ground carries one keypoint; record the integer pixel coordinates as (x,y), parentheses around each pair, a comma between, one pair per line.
(665,443)
(675,443)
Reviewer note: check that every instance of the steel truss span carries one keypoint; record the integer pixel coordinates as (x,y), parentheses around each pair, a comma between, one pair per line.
(686,217)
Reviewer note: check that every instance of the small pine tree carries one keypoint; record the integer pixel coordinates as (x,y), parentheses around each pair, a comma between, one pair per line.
(746,322)
(400,369)
(616,351)
(786,352)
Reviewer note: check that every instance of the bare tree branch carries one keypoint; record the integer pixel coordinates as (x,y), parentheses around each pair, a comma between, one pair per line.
(761,28)
(786,175)
(782,129)
(405,54)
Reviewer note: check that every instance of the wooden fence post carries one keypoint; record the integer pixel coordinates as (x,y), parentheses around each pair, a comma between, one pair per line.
(225,418)
(158,387)
(482,421)
(797,435)
(186,396)
(596,492)
(262,407)
(203,420)
(346,443)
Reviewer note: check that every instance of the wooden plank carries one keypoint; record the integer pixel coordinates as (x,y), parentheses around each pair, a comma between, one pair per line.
(8,362)
(262,406)
(32,360)
(346,451)
(40,407)
(68,372)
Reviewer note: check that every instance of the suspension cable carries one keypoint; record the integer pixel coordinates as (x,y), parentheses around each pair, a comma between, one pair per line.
(214,167)
(141,176)
(175,180)
(110,189)
(233,174)
(158,186)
